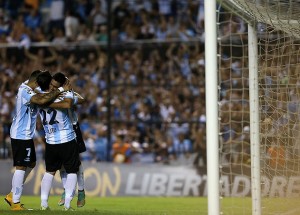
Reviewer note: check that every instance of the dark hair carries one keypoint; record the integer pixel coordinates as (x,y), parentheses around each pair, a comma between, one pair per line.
(43,80)
(60,78)
(33,76)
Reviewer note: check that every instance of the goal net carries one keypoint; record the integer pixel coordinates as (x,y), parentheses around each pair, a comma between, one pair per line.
(278,31)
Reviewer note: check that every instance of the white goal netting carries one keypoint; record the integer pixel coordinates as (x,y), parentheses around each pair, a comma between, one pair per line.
(278,31)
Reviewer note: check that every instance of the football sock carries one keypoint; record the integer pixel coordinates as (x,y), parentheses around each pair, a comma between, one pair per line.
(80,178)
(46,185)
(70,188)
(63,176)
(17,185)
(27,172)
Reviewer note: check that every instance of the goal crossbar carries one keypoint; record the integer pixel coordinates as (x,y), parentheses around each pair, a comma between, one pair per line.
(283,16)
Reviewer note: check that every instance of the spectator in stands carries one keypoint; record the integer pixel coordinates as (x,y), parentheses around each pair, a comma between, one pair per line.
(101,144)
(101,33)
(40,60)
(90,153)
(85,36)
(4,24)
(71,26)
(56,15)
(199,144)
(59,38)
(121,150)
(83,9)
(181,149)
(98,14)
(121,15)
(33,19)
(37,35)
(277,153)
(162,31)
(160,147)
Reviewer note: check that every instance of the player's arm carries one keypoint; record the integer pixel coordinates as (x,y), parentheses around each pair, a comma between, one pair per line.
(79,97)
(46,98)
(66,103)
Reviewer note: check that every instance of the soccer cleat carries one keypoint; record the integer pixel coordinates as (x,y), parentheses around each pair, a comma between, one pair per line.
(8,198)
(17,207)
(62,199)
(81,199)
(45,208)
(68,209)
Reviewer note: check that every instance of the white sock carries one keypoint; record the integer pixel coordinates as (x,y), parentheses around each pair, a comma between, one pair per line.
(70,188)
(63,176)
(46,185)
(27,172)
(17,185)
(80,178)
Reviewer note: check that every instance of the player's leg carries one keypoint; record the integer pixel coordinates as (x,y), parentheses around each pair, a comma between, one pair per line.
(9,197)
(52,165)
(71,163)
(80,176)
(81,192)
(46,185)
(24,160)
(70,189)
(17,188)
(63,176)
(79,138)
(80,182)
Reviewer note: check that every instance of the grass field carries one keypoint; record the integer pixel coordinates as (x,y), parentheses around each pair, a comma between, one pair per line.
(156,206)
(117,206)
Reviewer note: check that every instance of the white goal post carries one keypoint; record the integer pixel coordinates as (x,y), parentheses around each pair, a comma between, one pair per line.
(257,56)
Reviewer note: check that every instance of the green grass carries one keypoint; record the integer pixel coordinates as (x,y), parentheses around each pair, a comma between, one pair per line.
(157,206)
(118,206)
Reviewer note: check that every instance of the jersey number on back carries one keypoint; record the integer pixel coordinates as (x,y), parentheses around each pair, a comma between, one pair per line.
(52,113)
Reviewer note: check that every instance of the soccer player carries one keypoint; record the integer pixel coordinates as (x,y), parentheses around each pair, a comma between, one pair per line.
(21,133)
(58,80)
(61,146)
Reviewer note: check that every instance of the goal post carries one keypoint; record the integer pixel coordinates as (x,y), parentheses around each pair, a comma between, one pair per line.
(211,86)
(254,120)
(258,82)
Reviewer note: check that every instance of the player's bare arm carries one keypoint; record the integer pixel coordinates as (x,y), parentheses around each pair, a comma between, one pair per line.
(80,98)
(66,103)
(46,98)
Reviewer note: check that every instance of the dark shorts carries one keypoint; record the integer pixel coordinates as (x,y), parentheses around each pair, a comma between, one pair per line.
(79,139)
(65,154)
(23,152)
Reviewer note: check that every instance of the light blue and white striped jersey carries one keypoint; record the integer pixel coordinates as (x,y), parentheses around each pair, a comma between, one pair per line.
(57,123)
(24,122)
(72,114)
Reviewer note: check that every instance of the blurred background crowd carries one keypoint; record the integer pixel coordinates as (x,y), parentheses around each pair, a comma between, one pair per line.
(151,92)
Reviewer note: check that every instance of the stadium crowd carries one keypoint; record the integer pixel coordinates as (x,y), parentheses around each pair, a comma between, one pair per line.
(85,21)
(157,107)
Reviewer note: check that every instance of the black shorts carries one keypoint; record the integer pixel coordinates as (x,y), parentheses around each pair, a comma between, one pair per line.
(23,152)
(65,154)
(79,139)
